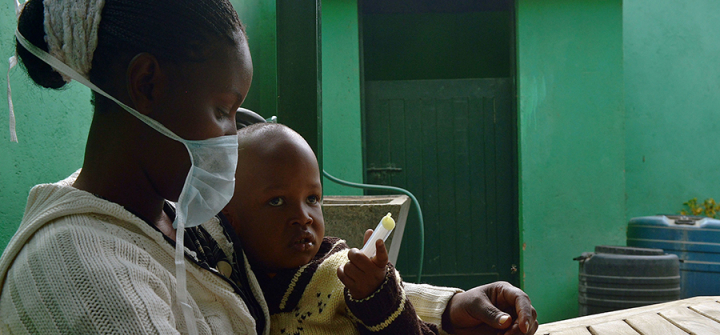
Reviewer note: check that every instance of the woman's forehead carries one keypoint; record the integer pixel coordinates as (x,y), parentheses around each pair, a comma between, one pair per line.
(227,67)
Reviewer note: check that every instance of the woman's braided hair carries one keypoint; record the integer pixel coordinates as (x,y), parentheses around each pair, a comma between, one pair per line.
(175,30)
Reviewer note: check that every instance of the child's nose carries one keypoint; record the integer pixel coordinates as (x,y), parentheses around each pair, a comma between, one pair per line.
(303,217)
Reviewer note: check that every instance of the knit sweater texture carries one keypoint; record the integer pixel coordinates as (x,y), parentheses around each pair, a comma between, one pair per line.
(79,264)
(311,300)
(83,265)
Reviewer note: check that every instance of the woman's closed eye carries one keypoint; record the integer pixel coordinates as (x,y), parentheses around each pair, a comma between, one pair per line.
(221,114)
(275,202)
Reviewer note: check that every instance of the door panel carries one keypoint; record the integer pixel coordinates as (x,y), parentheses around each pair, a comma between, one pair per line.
(451,143)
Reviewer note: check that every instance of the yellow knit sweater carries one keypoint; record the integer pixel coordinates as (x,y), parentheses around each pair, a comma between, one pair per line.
(311,300)
(322,309)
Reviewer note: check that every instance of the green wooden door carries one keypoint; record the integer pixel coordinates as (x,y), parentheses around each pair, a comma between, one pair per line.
(451,143)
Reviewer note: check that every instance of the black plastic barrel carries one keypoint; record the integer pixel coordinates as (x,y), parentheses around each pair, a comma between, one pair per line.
(614,278)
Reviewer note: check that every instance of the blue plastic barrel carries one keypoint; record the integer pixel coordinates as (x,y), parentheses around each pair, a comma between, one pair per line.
(696,242)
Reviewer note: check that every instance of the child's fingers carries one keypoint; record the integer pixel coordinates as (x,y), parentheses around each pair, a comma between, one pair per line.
(361,267)
(359,259)
(360,274)
(354,273)
(381,255)
(344,278)
(368,233)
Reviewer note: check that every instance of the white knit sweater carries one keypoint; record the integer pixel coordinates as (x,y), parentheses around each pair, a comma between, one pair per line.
(80,264)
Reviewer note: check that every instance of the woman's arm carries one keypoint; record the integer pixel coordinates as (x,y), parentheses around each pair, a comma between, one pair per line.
(481,310)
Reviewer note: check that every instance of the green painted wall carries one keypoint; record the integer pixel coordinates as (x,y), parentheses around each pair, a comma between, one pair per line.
(52,128)
(672,81)
(409,46)
(571,142)
(342,128)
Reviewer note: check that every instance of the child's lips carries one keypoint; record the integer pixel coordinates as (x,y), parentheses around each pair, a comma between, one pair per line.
(304,242)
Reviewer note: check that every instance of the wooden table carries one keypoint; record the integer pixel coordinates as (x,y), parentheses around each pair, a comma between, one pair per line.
(699,315)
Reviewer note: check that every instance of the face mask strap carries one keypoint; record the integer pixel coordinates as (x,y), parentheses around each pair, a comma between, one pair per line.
(19,7)
(181,277)
(12,62)
(13,135)
(180,272)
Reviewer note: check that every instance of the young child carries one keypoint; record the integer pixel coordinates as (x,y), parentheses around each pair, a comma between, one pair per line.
(312,284)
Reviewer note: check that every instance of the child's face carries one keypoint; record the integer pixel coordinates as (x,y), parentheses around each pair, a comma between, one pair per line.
(276,210)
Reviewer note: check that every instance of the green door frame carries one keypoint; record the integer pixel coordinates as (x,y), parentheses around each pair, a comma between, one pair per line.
(299,70)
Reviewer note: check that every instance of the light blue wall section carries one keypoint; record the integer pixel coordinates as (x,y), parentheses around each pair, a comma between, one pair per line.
(342,129)
(52,128)
(672,89)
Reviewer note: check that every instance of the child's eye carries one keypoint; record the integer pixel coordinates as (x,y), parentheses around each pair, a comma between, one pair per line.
(313,199)
(275,202)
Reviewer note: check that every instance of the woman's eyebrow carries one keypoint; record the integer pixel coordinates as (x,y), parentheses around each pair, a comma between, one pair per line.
(228,92)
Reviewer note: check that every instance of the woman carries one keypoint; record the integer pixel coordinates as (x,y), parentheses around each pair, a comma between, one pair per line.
(96,252)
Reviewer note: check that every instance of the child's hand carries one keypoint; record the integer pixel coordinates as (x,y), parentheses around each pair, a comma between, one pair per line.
(362,275)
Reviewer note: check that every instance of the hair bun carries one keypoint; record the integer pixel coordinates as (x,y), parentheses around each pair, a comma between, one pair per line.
(31,25)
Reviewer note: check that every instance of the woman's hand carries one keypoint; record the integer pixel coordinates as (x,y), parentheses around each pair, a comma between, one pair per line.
(362,275)
(496,308)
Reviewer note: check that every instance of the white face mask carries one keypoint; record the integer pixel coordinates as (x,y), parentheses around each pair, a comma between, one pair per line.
(209,184)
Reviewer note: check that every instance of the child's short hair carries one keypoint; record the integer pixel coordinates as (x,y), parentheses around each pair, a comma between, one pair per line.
(265,129)
(251,129)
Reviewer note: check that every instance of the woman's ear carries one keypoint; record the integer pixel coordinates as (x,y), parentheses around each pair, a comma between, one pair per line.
(145,81)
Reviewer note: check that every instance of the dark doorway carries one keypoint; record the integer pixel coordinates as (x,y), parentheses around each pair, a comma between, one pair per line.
(440,121)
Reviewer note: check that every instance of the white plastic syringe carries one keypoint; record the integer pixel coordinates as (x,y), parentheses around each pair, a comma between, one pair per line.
(382,231)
